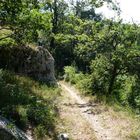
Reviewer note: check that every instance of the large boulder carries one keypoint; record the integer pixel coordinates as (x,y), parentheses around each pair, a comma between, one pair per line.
(36,62)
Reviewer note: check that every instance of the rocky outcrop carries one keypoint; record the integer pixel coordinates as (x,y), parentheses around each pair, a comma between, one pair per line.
(8,131)
(35,62)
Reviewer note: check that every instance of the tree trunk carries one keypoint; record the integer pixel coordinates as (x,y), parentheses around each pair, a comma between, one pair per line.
(112,81)
(54,22)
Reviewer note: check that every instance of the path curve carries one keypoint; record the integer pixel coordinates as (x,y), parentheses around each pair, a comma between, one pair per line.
(93,120)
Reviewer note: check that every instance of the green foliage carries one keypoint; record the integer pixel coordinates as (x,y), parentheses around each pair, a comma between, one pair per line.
(82,81)
(134,98)
(70,74)
(7,41)
(100,74)
(84,84)
(24,19)
(105,53)
(109,54)
(26,102)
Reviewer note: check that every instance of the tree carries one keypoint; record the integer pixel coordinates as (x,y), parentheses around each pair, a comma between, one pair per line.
(24,19)
(116,46)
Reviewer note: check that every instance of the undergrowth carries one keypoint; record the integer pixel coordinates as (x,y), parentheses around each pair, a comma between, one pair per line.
(124,102)
(28,103)
(125,91)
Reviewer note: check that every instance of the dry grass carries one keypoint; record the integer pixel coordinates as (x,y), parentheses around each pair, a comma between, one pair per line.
(71,121)
(121,122)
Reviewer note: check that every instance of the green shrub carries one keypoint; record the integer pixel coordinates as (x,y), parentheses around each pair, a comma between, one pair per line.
(82,81)
(25,102)
(134,96)
(126,89)
(6,41)
(41,114)
(70,74)
(100,75)
(39,132)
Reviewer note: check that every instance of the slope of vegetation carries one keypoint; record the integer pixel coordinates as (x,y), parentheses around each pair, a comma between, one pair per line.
(101,56)
(28,104)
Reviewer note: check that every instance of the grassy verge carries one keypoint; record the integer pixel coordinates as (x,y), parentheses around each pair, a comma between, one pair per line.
(28,103)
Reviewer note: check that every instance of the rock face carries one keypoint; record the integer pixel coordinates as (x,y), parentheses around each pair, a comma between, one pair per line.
(8,131)
(35,62)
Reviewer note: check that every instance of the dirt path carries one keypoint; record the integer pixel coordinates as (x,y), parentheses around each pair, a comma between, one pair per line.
(84,120)
(85,110)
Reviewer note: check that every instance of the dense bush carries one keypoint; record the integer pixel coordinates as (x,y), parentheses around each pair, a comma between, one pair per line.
(82,81)
(134,98)
(100,73)
(26,102)
(126,90)
(70,74)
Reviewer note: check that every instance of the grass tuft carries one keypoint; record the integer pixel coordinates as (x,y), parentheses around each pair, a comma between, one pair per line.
(28,103)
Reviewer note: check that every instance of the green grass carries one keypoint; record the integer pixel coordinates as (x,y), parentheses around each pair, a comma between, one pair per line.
(28,103)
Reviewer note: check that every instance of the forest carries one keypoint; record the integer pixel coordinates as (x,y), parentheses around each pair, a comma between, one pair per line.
(98,56)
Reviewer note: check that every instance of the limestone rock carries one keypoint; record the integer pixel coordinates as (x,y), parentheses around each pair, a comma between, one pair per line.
(8,131)
(36,62)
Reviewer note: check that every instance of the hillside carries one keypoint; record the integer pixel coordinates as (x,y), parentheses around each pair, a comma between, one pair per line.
(45,42)
(28,104)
